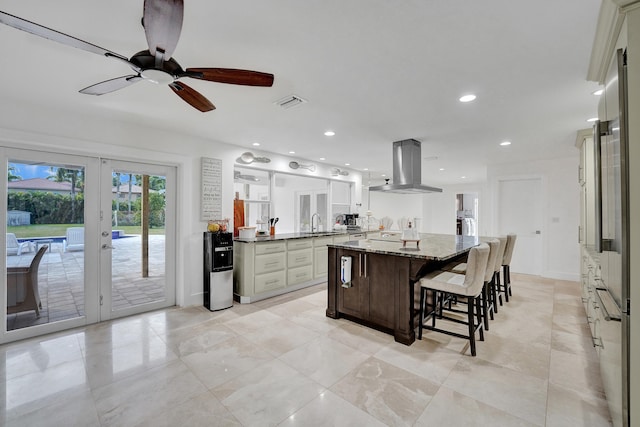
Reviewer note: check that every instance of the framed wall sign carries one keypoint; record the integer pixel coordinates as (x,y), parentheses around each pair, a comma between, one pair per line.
(211,193)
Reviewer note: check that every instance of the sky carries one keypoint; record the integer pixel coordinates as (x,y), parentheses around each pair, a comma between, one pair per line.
(27,171)
(30,171)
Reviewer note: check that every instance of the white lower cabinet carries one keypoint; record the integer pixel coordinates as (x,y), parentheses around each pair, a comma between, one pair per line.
(270,281)
(269,263)
(265,269)
(299,275)
(321,256)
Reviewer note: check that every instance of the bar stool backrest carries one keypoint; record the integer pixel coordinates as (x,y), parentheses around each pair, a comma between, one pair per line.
(494,247)
(476,266)
(508,252)
(500,257)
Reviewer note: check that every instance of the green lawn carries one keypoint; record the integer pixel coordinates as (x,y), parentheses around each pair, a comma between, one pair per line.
(60,230)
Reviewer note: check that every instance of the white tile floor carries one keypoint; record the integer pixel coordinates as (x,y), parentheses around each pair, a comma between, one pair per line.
(282,362)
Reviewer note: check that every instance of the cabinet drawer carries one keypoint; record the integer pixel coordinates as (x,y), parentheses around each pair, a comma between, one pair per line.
(269,248)
(299,258)
(269,263)
(269,281)
(341,239)
(296,244)
(322,241)
(299,275)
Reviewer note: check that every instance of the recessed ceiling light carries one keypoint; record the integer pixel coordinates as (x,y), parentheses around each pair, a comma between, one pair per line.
(347,164)
(467,98)
(292,152)
(329,133)
(598,92)
(366,169)
(384,174)
(592,119)
(322,158)
(256,144)
(504,143)
(463,177)
(441,169)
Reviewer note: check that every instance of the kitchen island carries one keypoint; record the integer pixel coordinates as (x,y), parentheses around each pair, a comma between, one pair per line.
(384,288)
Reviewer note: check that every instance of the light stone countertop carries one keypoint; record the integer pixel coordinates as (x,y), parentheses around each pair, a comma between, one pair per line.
(437,247)
(289,236)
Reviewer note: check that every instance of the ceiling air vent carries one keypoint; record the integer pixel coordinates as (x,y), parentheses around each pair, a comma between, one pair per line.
(290,101)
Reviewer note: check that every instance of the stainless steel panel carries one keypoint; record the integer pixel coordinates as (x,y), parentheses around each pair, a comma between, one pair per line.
(221,290)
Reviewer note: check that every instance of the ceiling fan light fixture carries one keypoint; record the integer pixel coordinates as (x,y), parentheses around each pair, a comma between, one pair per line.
(157,76)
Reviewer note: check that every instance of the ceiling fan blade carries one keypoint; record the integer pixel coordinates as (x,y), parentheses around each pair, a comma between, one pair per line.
(162,22)
(232,76)
(48,33)
(111,85)
(192,97)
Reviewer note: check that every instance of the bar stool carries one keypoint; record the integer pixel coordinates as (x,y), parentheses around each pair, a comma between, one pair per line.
(495,282)
(496,253)
(467,285)
(506,266)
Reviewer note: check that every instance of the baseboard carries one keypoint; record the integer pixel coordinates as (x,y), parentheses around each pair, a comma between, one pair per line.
(559,275)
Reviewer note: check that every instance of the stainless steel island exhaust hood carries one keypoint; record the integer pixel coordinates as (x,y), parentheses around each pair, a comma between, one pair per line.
(407,172)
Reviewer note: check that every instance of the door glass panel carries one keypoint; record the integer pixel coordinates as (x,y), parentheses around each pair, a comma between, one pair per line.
(137,239)
(45,243)
(321,209)
(304,218)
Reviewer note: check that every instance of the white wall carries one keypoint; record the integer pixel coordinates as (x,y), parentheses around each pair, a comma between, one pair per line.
(561,211)
(395,206)
(32,127)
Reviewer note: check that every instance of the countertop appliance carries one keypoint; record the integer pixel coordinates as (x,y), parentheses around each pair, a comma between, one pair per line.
(612,240)
(218,270)
(351,219)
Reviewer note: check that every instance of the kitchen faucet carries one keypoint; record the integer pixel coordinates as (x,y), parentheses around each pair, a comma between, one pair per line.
(312,227)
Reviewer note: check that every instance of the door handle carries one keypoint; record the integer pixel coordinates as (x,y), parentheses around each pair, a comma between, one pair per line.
(538,232)
(106,246)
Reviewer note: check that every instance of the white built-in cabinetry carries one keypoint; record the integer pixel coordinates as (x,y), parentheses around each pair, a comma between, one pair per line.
(265,269)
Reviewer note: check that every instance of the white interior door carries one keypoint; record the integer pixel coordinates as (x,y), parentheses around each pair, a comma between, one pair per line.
(137,238)
(520,212)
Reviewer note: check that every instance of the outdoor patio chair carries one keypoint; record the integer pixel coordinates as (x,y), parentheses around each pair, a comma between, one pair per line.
(74,240)
(14,247)
(22,286)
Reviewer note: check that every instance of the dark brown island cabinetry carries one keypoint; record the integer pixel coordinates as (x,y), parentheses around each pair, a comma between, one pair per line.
(384,289)
(380,294)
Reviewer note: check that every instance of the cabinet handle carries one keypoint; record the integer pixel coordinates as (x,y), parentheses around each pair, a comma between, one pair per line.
(364,256)
(301,259)
(269,264)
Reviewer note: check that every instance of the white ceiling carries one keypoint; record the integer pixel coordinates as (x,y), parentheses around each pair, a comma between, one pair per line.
(374,71)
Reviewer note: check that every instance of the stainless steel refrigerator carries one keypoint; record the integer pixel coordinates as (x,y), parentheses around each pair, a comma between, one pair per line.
(612,240)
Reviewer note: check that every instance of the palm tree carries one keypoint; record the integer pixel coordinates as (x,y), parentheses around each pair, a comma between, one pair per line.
(11,173)
(130,179)
(75,177)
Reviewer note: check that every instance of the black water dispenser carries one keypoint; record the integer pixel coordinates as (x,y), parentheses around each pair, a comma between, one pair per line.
(218,270)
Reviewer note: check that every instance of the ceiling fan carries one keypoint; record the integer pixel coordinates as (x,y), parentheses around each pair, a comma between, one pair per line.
(162,22)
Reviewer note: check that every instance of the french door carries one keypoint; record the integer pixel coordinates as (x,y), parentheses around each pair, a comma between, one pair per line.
(81,249)
(137,239)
